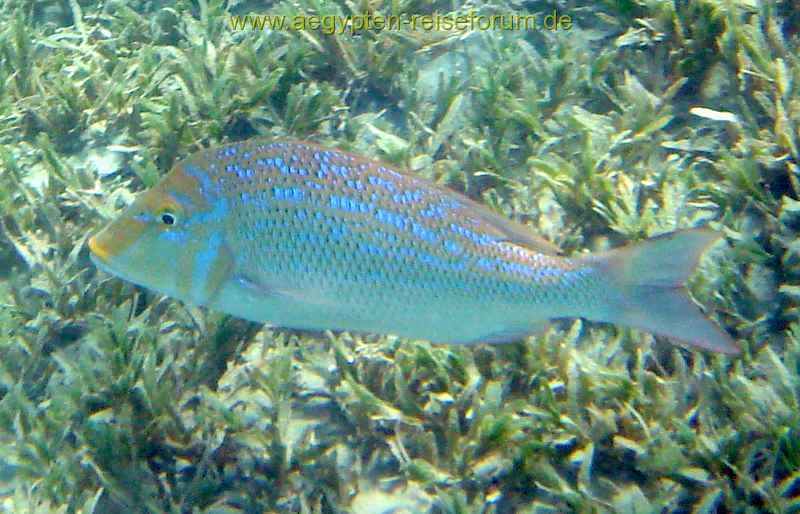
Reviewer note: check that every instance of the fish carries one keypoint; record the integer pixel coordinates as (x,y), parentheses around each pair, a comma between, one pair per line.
(301,236)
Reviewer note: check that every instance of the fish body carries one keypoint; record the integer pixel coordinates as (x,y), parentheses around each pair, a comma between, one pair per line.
(302,236)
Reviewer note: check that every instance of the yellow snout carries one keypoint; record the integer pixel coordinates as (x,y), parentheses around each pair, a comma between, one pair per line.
(98,249)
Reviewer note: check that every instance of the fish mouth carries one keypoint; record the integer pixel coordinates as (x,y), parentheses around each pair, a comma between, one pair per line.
(100,256)
(99,252)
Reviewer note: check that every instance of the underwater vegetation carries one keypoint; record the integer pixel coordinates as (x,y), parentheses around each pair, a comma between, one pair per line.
(647,116)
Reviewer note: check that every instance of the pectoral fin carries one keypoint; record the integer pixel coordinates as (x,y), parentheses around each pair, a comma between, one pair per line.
(260,288)
(219,272)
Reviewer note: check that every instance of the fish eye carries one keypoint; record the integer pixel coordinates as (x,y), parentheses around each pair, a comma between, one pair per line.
(168,218)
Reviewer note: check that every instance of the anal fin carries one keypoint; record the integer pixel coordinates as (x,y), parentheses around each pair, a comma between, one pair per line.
(511,335)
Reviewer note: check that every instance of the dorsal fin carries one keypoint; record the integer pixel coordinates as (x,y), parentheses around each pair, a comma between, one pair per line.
(507,230)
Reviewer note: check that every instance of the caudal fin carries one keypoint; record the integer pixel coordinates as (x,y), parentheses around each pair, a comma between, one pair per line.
(651,277)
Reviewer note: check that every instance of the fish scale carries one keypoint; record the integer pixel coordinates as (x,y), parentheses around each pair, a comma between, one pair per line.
(302,236)
(371,217)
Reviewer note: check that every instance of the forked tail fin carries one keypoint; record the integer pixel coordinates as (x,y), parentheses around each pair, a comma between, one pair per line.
(651,276)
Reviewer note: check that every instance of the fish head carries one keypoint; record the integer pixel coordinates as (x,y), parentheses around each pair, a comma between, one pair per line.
(154,242)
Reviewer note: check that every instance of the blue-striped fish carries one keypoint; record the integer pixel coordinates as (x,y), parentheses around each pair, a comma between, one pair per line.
(306,237)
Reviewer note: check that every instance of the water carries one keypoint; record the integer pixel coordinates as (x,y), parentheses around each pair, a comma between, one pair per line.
(637,120)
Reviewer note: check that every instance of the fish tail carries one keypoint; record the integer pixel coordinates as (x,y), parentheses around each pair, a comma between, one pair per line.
(651,278)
